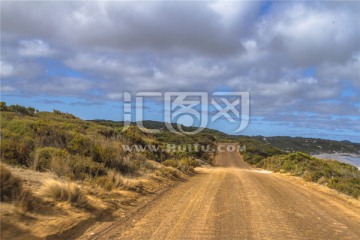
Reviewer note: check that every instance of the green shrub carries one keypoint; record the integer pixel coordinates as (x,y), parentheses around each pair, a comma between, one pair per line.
(46,158)
(256,150)
(104,153)
(17,151)
(66,115)
(350,186)
(52,136)
(3,107)
(134,135)
(110,154)
(85,167)
(340,176)
(18,109)
(170,163)
(80,144)
(186,165)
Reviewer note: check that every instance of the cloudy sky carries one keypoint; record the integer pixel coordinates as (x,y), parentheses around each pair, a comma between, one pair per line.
(300,61)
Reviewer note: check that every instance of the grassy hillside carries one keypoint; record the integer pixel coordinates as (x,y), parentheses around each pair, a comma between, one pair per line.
(53,163)
(165,139)
(286,144)
(39,140)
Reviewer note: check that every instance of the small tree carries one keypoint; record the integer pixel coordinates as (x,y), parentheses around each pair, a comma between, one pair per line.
(3,107)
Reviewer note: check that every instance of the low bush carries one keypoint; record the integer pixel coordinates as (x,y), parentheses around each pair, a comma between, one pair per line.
(80,144)
(84,167)
(12,190)
(61,166)
(168,172)
(186,165)
(66,115)
(50,158)
(64,191)
(257,150)
(10,186)
(17,151)
(152,165)
(171,163)
(340,176)
(350,185)
(18,109)
(136,162)
(114,180)
(110,154)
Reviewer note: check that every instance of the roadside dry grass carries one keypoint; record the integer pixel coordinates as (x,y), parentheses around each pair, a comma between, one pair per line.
(11,186)
(64,191)
(114,180)
(52,206)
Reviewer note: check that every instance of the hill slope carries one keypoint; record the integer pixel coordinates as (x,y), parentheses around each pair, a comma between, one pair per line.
(311,145)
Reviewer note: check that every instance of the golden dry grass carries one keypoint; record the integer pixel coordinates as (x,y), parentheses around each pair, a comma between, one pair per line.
(64,191)
(168,172)
(114,180)
(11,186)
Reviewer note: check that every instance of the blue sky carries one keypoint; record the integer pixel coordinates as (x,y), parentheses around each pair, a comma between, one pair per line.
(299,61)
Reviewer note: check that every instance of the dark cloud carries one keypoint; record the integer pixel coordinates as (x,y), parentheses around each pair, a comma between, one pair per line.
(188,46)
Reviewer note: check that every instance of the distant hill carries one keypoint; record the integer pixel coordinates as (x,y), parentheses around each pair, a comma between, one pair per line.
(310,145)
(288,144)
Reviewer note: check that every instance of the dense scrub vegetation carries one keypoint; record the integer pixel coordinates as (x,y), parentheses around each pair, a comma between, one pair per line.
(69,146)
(340,176)
(18,109)
(173,145)
(78,150)
(257,150)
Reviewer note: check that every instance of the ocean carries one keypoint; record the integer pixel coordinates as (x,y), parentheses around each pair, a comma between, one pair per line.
(353,159)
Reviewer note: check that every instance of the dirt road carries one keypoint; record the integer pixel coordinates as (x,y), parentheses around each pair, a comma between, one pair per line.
(235,201)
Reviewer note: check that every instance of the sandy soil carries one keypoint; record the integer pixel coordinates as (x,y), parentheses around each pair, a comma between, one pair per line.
(236,201)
